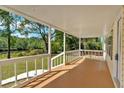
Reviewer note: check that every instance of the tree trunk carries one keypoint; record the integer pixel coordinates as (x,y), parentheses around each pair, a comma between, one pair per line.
(46,45)
(9,37)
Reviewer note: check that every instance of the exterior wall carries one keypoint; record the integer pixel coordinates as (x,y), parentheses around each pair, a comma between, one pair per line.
(123,46)
(112,64)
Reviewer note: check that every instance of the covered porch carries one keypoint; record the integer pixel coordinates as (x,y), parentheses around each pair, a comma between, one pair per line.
(69,69)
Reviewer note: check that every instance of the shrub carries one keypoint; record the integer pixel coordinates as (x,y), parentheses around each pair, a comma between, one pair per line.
(19,54)
(35,52)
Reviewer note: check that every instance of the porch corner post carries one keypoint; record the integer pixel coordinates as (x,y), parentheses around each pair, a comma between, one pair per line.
(64,42)
(79,46)
(104,50)
(49,49)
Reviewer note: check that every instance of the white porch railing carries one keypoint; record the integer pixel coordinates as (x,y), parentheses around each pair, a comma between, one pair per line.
(22,68)
(57,60)
(94,54)
(71,55)
(16,70)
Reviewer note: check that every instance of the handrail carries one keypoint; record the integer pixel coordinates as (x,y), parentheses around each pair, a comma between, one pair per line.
(92,50)
(57,56)
(20,59)
(94,54)
(57,60)
(71,51)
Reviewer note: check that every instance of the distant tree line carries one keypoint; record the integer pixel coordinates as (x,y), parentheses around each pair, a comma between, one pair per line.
(92,43)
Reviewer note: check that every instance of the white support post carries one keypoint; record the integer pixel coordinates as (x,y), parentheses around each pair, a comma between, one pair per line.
(103,47)
(49,49)
(79,46)
(64,42)
(104,43)
(104,51)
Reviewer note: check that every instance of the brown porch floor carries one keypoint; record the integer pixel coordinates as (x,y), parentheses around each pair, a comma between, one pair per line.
(85,74)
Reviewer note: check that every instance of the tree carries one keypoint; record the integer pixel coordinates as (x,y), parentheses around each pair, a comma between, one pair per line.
(92,43)
(40,29)
(6,20)
(57,42)
(9,25)
(71,42)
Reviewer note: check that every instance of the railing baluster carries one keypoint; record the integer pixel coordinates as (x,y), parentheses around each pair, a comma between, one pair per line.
(57,60)
(15,71)
(42,65)
(67,58)
(35,67)
(0,76)
(62,59)
(27,69)
(51,64)
(70,57)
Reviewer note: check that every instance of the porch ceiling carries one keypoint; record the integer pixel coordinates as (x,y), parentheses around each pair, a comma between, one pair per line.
(80,21)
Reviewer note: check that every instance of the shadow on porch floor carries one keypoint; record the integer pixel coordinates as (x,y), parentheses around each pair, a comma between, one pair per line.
(86,73)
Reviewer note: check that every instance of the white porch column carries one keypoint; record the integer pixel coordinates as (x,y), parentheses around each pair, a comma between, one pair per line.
(104,50)
(49,49)
(104,42)
(64,42)
(79,46)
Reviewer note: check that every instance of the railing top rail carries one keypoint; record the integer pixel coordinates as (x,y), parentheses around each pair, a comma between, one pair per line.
(20,59)
(92,50)
(57,56)
(72,51)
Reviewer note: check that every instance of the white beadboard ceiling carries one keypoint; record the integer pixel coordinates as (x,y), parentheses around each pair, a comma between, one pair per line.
(78,20)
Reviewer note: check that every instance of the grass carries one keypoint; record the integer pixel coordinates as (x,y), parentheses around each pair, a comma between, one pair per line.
(3,55)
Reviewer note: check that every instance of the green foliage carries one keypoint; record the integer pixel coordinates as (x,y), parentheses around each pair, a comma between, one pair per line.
(72,43)
(19,54)
(35,52)
(92,43)
(57,42)
(3,42)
